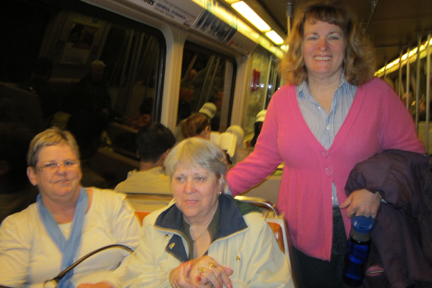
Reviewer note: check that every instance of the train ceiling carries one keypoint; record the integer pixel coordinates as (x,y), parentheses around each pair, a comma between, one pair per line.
(392,25)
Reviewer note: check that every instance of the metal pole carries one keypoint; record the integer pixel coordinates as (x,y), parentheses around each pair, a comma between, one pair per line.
(408,103)
(400,73)
(289,14)
(417,90)
(428,80)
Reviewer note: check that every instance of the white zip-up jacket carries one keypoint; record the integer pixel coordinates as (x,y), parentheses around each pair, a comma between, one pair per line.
(244,243)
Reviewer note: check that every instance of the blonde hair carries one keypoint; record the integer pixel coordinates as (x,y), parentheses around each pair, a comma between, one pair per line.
(359,61)
(50,137)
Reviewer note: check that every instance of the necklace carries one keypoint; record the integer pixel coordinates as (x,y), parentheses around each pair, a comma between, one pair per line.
(194,240)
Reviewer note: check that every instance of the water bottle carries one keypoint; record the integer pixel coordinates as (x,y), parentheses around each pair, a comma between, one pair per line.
(357,250)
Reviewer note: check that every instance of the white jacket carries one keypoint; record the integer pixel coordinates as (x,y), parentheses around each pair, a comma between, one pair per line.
(28,256)
(247,246)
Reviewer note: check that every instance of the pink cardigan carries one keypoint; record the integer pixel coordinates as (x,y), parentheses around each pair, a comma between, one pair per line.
(376,121)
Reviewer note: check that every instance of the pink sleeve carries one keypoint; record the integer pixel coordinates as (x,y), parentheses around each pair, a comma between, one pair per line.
(397,129)
(262,161)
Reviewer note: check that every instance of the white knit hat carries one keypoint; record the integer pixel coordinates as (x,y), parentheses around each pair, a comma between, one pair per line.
(261,116)
(208,109)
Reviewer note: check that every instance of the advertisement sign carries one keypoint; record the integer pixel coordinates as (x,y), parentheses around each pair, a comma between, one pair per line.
(184,12)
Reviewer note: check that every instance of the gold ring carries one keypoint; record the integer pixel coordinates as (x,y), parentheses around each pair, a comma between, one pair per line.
(201,270)
(212,265)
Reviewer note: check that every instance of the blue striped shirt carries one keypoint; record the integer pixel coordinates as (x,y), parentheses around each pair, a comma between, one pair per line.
(325,127)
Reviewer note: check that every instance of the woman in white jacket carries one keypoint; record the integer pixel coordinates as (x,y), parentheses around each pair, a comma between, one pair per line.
(206,238)
(67,222)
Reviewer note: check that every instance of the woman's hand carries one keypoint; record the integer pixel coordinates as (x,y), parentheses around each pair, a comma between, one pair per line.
(178,277)
(97,285)
(362,202)
(207,272)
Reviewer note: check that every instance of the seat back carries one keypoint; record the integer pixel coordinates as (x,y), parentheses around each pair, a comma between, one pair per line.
(141,215)
(272,216)
(21,106)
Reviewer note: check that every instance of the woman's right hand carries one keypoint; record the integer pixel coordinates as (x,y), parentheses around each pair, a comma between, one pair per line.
(201,272)
(178,277)
(206,272)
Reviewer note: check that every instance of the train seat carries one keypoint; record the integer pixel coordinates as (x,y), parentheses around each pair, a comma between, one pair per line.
(145,203)
(21,106)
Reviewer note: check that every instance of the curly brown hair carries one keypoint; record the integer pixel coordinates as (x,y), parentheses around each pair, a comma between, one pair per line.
(359,61)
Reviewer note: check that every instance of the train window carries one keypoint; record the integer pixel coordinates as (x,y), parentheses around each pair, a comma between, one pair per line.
(264,81)
(207,76)
(125,85)
(274,80)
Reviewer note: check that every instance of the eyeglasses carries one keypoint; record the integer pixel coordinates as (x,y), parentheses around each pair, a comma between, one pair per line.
(53,167)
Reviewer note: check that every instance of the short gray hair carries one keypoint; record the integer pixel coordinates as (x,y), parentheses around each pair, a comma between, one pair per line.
(50,137)
(195,152)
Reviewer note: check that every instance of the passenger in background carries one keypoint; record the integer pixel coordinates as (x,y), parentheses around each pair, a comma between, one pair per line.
(257,127)
(239,132)
(196,121)
(67,222)
(206,238)
(196,125)
(153,144)
(16,192)
(87,129)
(332,115)
(91,94)
(38,84)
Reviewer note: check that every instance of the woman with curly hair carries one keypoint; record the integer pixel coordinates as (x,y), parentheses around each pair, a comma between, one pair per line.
(331,115)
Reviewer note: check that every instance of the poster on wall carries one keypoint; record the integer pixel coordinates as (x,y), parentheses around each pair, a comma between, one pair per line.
(214,27)
(183,12)
(79,43)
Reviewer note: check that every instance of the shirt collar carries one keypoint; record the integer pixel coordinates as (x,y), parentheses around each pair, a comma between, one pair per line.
(172,218)
(303,90)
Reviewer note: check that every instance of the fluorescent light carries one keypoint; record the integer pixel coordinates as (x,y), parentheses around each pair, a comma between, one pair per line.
(272,35)
(250,15)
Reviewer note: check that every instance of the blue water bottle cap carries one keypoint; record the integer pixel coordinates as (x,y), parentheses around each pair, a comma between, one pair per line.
(361,227)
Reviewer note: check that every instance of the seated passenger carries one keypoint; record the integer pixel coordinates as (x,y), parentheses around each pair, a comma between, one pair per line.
(196,125)
(67,222)
(257,127)
(239,132)
(91,93)
(153,144)
(208,109)
(205,238)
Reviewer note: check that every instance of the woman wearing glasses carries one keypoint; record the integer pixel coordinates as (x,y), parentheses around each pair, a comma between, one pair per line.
(67,222)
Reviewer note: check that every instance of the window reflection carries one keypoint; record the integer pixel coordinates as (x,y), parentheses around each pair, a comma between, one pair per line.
(206,77)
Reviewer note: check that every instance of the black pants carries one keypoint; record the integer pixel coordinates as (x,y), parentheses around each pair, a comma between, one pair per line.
(316,273)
